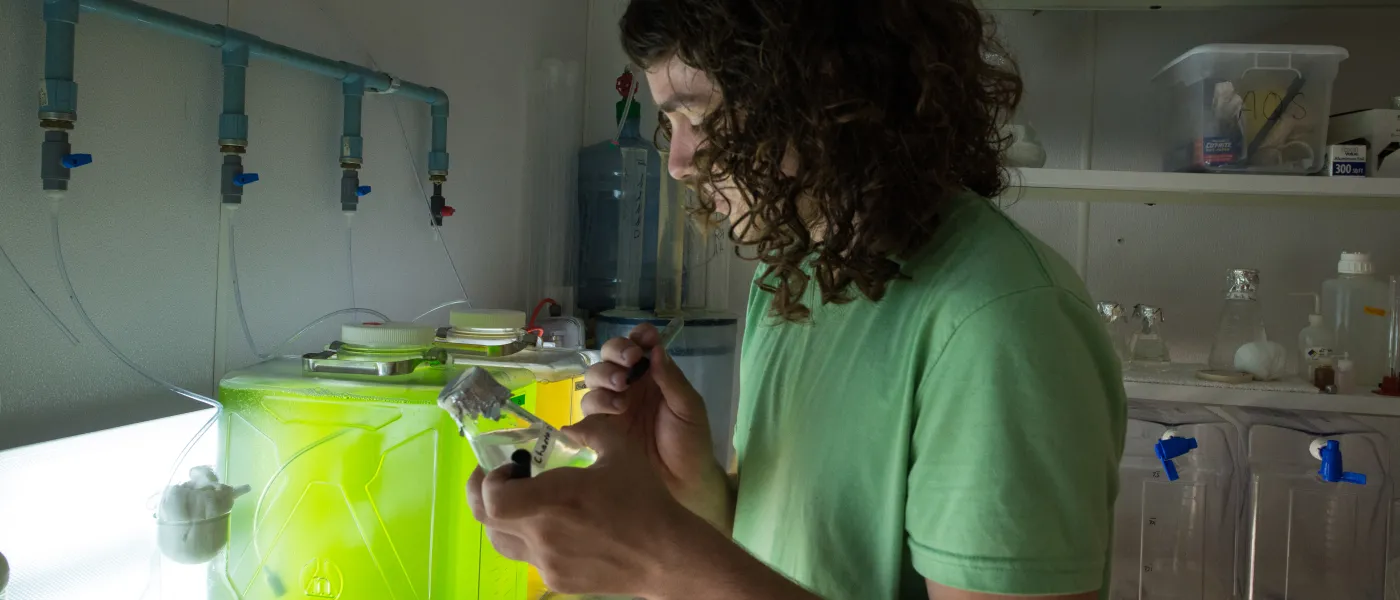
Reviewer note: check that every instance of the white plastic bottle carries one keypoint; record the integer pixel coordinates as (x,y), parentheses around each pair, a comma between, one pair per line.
(1315,342)
(1356,305)
(1346,376)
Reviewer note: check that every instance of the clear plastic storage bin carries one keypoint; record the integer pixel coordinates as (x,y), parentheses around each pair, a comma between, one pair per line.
(1307,537)
(1247,108)
(1175,539)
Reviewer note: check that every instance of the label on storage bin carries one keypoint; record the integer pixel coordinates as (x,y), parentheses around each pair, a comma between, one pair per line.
(1217,151)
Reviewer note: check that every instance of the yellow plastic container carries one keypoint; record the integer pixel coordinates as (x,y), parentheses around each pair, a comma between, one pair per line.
(358,477)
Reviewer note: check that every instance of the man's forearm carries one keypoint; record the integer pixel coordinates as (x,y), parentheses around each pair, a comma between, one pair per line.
(707,565)
(713,500)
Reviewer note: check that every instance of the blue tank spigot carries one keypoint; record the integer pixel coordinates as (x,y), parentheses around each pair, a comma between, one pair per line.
(73,161)
(243,179)
(1331,470)
(362,191)
(1171,448)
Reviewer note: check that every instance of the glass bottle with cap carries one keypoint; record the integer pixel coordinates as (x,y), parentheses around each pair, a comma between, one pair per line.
(1241,319)
(356,476)
(497,338)
(1113,320)
(1147,347)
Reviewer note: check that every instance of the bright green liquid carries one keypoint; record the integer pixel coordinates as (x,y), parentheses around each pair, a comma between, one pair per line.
(358,490)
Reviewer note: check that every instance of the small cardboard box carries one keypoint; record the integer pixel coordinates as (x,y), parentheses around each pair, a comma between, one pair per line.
(1378,130)
(1346,160)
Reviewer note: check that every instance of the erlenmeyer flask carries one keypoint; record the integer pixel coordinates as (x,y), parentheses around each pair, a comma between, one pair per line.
(1113,320)
(1241,319)
(1147,348)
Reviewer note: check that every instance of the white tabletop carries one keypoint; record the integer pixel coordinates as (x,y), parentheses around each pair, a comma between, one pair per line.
(76,514)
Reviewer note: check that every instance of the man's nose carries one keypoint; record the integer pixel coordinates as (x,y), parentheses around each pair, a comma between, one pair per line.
(682,163)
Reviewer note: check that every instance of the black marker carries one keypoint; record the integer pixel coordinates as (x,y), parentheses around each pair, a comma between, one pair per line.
(520,464)
(673,328)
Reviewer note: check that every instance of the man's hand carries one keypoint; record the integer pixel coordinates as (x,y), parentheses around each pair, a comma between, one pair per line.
(612,528)
(667,418)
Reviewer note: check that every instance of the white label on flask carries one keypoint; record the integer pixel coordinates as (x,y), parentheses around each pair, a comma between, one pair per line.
(543,448)
(1317,353)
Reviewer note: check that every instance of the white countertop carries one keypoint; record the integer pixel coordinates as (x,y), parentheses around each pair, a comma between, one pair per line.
(76,514)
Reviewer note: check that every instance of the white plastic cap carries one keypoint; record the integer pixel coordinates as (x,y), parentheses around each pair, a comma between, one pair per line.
(1355,263)
(486,318)
(387,335)
(1315,447)
(1345,364)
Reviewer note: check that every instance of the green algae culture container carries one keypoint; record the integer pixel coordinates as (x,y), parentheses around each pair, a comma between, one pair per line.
(358,478)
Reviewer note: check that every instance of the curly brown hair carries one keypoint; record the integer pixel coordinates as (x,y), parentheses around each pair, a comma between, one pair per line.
(889,107)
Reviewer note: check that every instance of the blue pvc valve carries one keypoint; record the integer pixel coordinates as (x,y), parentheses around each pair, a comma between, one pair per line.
(1331,470)
(1171,448)
(73,161)
(362,191)
(243,179)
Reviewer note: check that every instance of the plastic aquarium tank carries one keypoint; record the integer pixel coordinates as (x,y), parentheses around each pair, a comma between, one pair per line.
(616,182)
(357,477)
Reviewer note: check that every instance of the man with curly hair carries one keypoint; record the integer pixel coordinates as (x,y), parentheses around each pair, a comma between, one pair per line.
(929,405)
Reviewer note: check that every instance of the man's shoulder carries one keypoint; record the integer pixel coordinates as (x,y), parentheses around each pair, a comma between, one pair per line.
(979,256)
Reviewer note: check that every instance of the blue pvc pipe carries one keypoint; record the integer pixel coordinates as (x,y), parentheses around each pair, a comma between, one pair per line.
(218,35)
(59,94)
(233,123)
(351,144)
(437,159)
(224,37)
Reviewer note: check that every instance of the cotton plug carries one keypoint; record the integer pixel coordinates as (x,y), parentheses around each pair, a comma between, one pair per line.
(1264,360)
(192,518)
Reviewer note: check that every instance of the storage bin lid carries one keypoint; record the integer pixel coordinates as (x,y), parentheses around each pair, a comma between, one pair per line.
(1337,53)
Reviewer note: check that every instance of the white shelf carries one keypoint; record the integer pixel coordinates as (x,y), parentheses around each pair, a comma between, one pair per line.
(1178,4)
(1180,385)
(1074,185)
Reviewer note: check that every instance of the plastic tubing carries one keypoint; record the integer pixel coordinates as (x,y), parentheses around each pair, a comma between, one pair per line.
(262,497)
(68,333)
(54,199)
(243,316)
(442,306)
(350,253)
(92,327)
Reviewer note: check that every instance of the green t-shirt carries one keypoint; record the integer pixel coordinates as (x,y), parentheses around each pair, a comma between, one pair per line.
(965,429)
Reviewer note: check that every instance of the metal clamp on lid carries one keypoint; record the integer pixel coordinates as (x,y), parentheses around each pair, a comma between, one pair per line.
(388,365)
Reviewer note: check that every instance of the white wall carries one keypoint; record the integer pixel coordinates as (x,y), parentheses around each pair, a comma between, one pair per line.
(1177,256)
(141,223)
(1088,95)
